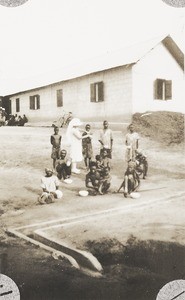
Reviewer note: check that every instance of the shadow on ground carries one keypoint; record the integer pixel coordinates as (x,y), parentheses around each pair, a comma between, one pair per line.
(136,270)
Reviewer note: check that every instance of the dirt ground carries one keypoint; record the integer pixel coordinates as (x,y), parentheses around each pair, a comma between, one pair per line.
(25,152)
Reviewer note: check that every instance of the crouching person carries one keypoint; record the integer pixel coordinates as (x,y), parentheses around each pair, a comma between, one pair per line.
(50,188)
(141,164)
(63,167)
(131,182)
(105,181)
(93,179)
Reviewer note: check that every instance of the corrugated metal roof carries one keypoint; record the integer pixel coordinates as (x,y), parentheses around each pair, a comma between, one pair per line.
(122,57)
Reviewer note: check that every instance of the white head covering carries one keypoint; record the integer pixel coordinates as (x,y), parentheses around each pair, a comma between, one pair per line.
(72,123)
(75,122)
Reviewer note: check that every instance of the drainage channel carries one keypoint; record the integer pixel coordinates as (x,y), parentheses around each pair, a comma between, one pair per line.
(82,260)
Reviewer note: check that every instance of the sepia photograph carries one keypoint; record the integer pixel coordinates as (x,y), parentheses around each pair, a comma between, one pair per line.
(92,157)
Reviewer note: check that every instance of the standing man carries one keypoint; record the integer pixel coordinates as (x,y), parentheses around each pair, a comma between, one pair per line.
(132,143)
(55,141)
(106,139)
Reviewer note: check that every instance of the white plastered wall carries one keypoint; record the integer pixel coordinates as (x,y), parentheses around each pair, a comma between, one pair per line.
(116,106)
(158,63)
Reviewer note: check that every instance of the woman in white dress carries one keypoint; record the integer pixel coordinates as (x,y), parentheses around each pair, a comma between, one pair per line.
(74,137)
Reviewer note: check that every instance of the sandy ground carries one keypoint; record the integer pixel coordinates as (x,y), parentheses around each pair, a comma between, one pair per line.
(25,152)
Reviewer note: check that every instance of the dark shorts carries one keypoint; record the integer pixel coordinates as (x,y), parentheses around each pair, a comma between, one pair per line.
(55,153)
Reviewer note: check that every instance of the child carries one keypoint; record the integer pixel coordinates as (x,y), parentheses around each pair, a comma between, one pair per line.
(131,180)
(141,164)
(87,146)
(132,143)
(106,139)
(105,181)
(49,185)
(63,167)
(56,143)
(99,163)
(93,179)
(105,159)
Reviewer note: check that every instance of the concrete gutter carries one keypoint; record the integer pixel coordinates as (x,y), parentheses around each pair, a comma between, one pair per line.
(79,259)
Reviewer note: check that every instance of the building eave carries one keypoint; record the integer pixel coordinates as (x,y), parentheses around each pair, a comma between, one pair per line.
(175,51)
(63,81)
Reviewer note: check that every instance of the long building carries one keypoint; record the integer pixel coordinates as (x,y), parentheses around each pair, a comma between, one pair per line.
(144,77)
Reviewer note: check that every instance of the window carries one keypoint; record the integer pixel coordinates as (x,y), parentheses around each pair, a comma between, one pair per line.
(163,89)
(17,105)
(35,102)
(97,92)
(59,98)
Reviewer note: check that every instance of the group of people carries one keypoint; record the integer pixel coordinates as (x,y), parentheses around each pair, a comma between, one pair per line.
(98,178)
(3,116)
(11,120)
(15,120)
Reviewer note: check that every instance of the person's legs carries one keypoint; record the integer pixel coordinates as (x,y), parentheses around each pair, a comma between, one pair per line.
(104,186)
(145,169)
(54,163)
(68,171)
(89,162)
(50,198)
(85,161)
(109,153)
(54,156)
(131,184)
(59,171)
(63,171)
(43,198)
(74,168)
(126,185)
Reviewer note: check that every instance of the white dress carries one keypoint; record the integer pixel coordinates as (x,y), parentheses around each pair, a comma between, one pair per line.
(76,145)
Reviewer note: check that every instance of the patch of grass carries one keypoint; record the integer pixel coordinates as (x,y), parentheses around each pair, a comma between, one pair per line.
(165,127)
(106,250)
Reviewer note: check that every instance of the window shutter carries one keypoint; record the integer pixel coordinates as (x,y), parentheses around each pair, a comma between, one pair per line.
(38,101)
(17,105)
(159,89)
(168,89)
(93,92)
(100,92)
(32,102)
(155,89)
(59,98)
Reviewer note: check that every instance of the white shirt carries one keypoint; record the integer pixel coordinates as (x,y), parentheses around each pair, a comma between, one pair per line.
(49,183)
(131,139)
(106,137)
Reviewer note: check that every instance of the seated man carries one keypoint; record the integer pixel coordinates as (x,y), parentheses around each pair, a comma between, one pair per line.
(105,181)
(50,188)
(105,159)
(93,179)
(131,180)
(20,121)
(141,164)
(25,119)
(63,167)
